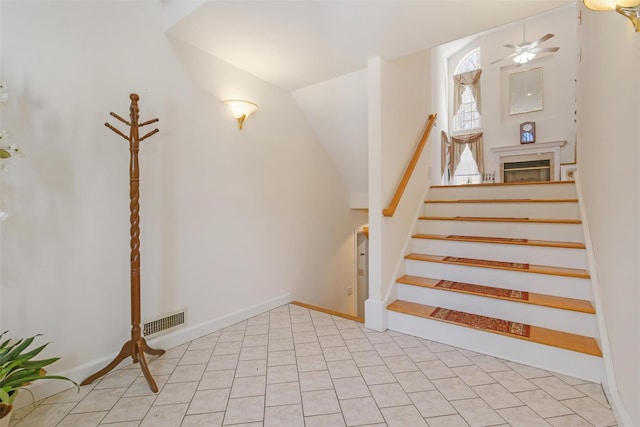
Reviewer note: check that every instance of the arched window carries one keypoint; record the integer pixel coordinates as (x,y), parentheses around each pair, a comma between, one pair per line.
(468,116)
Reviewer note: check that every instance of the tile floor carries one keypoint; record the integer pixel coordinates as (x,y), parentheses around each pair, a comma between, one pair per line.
(298,367)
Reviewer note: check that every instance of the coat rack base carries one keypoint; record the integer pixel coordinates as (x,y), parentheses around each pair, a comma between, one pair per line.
(136,349)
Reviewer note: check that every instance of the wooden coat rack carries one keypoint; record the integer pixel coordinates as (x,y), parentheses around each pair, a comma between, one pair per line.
(136,346)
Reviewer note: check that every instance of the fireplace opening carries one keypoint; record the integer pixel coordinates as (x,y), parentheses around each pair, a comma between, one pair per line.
(527,171)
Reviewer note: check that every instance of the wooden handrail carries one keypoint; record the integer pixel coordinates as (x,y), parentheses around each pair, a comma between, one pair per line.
(410,167)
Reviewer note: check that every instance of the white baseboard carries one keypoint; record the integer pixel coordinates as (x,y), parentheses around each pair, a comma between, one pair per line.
(44,389)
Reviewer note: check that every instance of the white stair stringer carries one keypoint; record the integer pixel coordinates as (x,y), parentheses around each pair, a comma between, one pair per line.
(578,365)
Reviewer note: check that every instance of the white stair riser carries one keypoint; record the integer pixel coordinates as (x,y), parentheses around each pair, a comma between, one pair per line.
(546,317)
(539,255)
(574,364)
(563,210)
(470,192)
(570,287)
(516,230)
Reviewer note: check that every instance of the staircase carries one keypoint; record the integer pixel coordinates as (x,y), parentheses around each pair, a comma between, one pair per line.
(501,269)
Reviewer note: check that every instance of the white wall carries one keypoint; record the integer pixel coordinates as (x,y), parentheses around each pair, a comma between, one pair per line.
(399,109)
(556,121)
(608,164)
(229,218)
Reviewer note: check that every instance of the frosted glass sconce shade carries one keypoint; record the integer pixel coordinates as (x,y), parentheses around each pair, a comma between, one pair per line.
(241,109)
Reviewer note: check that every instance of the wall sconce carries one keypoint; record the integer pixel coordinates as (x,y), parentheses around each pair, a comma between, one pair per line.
(628,8)
(241,109)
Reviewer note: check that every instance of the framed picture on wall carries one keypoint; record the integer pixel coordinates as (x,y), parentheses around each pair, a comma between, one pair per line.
(527,133)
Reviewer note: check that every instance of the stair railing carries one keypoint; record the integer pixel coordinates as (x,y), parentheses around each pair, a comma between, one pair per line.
(389,211)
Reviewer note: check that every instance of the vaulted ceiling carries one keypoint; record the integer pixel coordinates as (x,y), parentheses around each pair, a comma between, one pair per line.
(318,49)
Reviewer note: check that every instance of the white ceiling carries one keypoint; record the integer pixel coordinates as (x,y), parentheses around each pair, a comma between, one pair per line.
(297,43)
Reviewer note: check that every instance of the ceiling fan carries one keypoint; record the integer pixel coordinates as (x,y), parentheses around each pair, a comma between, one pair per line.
(526,51)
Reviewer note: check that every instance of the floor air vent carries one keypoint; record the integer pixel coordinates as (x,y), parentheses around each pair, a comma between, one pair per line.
(164,324)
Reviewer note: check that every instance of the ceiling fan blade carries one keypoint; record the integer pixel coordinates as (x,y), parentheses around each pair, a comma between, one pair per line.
(505,57)
(545,49)
(541,40)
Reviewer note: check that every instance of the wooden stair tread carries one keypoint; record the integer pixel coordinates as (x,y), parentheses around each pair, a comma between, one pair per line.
(501,219)
(551,301)
(482,239)
(564,340)
(505,184)
(539,269)
(504,201)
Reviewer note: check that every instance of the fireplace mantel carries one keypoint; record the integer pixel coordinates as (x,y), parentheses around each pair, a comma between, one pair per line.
(514,153)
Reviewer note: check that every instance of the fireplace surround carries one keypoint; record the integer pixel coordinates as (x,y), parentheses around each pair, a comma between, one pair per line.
(529,162)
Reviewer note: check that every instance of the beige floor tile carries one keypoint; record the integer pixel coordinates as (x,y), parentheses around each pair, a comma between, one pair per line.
(414,381)
(407,341)
(228,361)
(231,336)
(319,402)
(397,364)
(285,357)
(280,416)
(420,354)
(118,378)
(359,345)
(331,354)
(528,372)
(367,358)
(349,388)
(176,393)
(302,326)
(253,353)
(70,395)
(513,381)
(557,388)
(454,388)
(203,420)
(403,416)
(207,342)
(472,375)
(436,347)
(283,394)
(249,386)
(175,352)
(281,344)
(88,419)
(330,420)
(315,380)
(249,368)
(435,369)
(186,373)
(305,337)
(255,340)
(360,411)
(388,349)
(258,330)
(227,347)
(352,334)
(591,411)
(217,379)
(311,363)
(165,416)
(447,421)
(387,395)
(308,348)
(47,415)
(343,369)
(569,421)
(99,400)
(280,333)
(595,392)
(497,396)
(453,359)
(522,416)
(378,337)
(543,404)
(489,363)
(205,401)
(244,410)
(377,375)
(129,409)
(322,331)
(282,374)
(431,404)
(476,412)
(196,357)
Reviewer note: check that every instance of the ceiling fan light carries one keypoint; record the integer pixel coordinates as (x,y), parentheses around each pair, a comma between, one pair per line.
(524,57)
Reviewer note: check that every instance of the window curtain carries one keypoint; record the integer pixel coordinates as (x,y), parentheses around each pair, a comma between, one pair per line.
(461,81)
(458,143)
(445,163)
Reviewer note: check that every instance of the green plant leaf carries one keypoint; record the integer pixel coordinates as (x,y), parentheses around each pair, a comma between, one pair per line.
(4,154)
